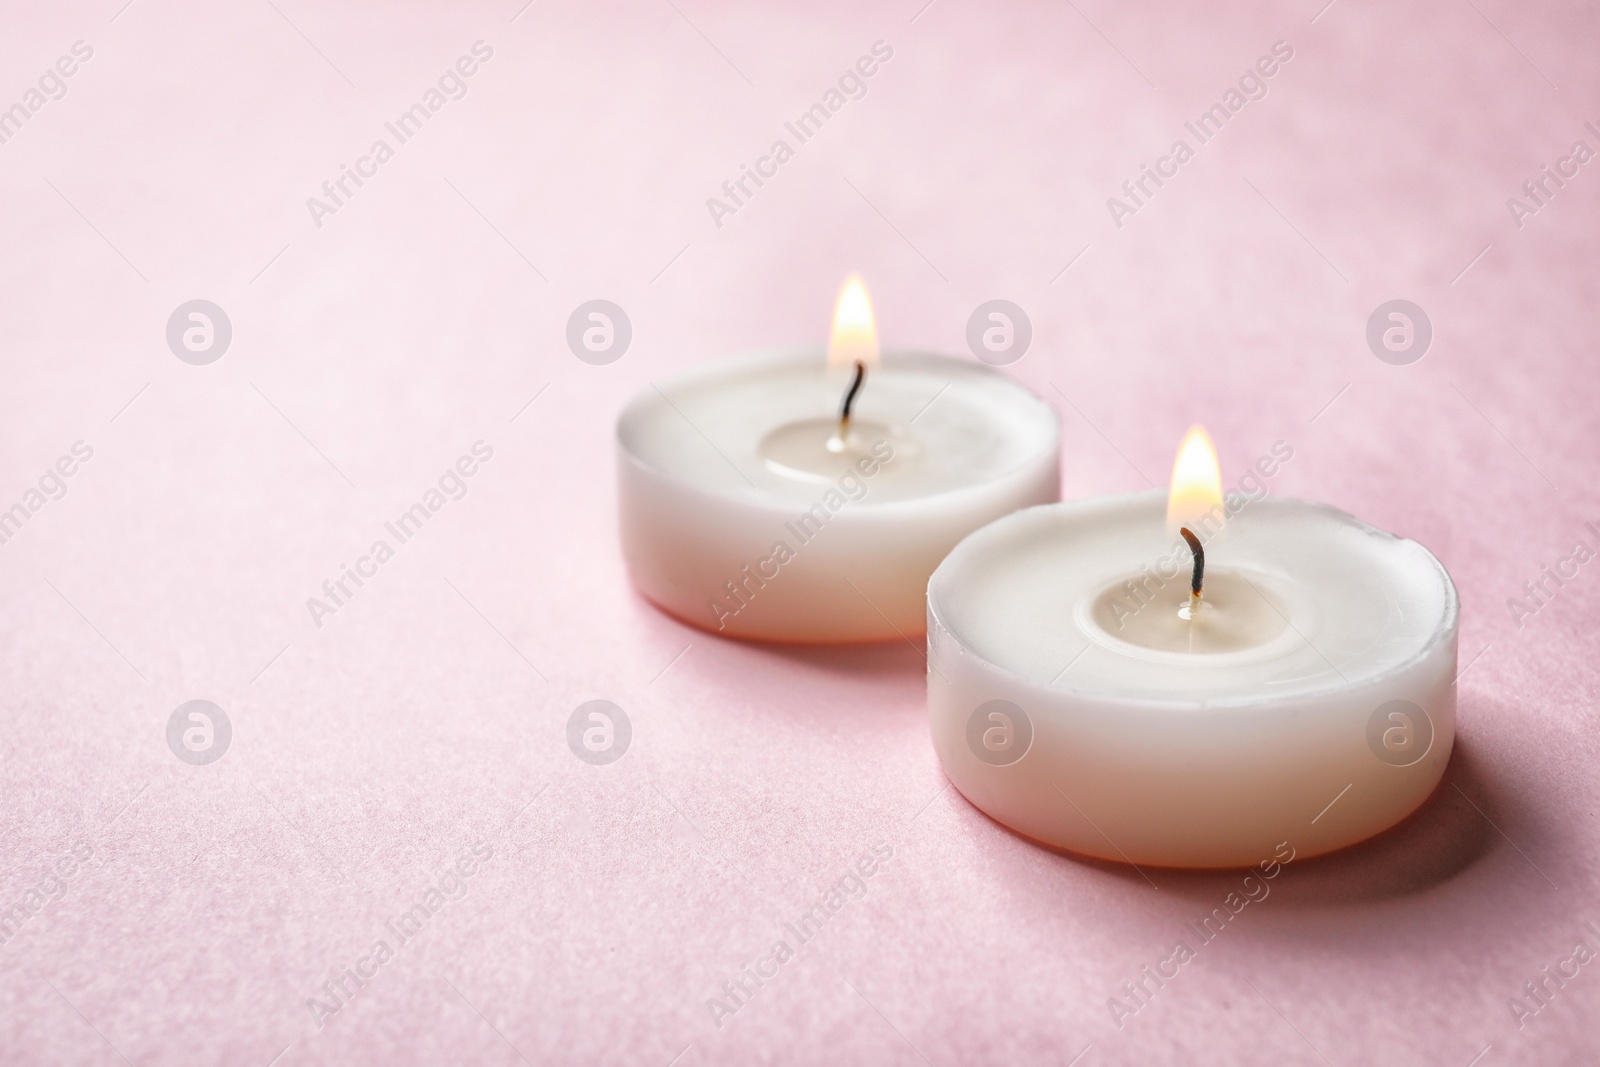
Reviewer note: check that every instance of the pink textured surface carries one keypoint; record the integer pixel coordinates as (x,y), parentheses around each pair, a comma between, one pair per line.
(429,713)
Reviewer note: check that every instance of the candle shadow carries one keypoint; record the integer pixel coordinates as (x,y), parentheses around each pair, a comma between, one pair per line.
(1435,844)
(1441,840)
(889,659)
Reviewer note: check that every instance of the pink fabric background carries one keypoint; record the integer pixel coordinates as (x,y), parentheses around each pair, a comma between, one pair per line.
(428,311)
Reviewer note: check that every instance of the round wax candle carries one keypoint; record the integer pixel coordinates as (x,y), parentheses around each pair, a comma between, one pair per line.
(744,510)
(1310,700)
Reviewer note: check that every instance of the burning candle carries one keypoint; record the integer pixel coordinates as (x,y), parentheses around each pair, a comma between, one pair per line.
(806,496)
(1192,681)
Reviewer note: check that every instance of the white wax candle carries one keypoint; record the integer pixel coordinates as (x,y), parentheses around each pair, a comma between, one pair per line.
(1310,700)
(745,511)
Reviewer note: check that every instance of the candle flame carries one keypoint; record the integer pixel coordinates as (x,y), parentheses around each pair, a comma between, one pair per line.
(1195,499)
(855,333)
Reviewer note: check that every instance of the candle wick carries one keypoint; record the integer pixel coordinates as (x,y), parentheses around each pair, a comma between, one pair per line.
(850,397)
(1199,570)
